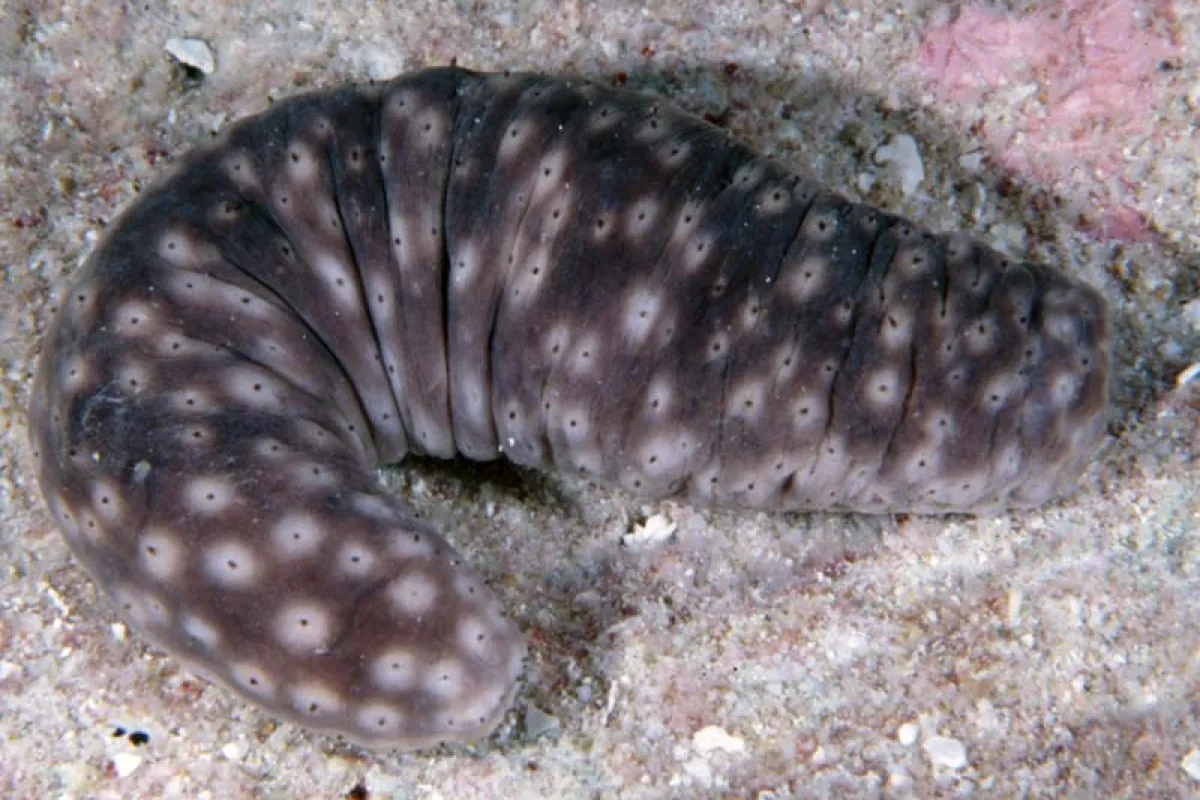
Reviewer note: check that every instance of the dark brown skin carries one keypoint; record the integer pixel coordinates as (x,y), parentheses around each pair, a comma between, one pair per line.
(575,277)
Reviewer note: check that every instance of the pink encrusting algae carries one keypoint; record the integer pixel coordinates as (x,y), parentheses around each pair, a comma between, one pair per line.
(1087,80)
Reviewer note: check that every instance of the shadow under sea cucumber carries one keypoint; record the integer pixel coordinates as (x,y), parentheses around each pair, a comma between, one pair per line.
(575,277)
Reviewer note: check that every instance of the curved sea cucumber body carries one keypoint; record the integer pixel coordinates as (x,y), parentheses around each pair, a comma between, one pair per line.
(572,276)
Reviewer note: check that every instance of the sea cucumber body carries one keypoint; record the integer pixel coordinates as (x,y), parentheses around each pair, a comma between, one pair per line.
(575,277)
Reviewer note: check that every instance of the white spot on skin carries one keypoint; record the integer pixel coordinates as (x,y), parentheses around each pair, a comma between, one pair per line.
(89,526)
(413,594)
(584,355)
(922,465)
(314,699)
(476,405)
(178,346)
(134,377)
(304,627)
(107,502)
(672,153)
(396,670)
(696,251)
(134,318)
(158,613)
(913,262)
(487,704)
(882,390)
(431,125)
(406,248)
(446,679)
(519,134)
(238,303)
(410,545)
(80,305)
(717,347)
(997,391)
(666,455)
(313,475)
(337,277)
(895,331)
(642,308)
(176,248)
(204,632)
(530,275)
(403,104)
(1064,388)
(603,119)
(652,129)
(144,609)
(209,495)
(807,279)
(551,174)
(751,313)
(659,396)
(314,435)
(842,314)
(602,227)
(808,411)
(576,424)
(980,336)
(191,401)
(372,505)
(160,554)
(327,213)
(253,387)
(382,301)
(1063,327)
(467,587)
(475,639)
(748,175)
(301,169)
(746,401)
(379,719)
(297,535)
(240,169)
(938,424)
(786,360)
(642,217)
(271,449)
(356,560)
(253,678)
(75,374)
(557,341)
(231,564)
(819,226)
(773,199)
(686,223)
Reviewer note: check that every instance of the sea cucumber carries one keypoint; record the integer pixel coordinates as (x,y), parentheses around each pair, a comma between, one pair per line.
(569,275)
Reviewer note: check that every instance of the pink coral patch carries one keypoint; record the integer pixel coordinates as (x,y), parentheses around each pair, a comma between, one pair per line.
(1093,72)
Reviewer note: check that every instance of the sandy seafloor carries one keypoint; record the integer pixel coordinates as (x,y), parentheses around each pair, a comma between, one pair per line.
(1052,653)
